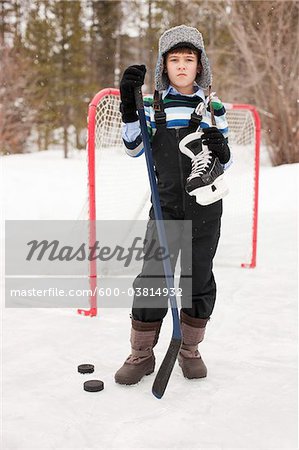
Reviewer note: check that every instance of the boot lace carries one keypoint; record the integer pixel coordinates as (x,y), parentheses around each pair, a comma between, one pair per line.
(200,162)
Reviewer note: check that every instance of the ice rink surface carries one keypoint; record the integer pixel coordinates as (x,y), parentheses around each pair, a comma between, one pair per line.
(248,400)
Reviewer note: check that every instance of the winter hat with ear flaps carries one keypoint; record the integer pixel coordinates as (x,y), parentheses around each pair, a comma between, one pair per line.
(185,36)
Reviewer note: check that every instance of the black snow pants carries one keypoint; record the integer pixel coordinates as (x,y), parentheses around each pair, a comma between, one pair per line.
(172,169)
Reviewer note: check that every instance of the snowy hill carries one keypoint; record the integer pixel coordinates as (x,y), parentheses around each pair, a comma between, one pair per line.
(249,398)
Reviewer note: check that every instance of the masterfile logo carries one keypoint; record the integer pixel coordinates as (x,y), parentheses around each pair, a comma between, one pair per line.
(48,263)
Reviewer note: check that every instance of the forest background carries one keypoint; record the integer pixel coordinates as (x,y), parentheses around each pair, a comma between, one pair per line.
(56,54)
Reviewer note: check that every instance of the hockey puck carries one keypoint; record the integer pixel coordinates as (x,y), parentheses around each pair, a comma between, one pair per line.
(93,385)
(86,368)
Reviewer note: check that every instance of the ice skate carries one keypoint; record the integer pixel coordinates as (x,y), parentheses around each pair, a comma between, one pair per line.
(206,181)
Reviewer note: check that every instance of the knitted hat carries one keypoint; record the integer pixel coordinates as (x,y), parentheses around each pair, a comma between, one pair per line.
(184,36)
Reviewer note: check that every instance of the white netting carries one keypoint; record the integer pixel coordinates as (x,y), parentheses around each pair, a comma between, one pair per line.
(122,187)
(238,207)
(121,182)
(108,123)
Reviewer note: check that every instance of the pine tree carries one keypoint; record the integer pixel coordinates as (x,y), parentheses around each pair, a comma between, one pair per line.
(131,46)
(68,62)
(15,115)
(40,44)
(104,35)
(79,89)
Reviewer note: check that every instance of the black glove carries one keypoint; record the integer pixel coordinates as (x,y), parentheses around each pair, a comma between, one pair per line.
(132,77)
(216,143)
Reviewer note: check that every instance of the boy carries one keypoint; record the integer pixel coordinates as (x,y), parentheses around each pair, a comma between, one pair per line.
(182,72)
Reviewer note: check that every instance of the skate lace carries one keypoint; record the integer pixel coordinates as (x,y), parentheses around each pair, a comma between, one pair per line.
(200,162)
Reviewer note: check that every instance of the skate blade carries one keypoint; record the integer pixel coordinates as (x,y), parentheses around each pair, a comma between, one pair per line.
(210,194)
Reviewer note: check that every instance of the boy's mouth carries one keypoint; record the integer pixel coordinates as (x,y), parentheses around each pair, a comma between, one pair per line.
(182,74)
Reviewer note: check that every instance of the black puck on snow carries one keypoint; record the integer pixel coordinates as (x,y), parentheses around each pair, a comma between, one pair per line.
(86,368)
(93,385)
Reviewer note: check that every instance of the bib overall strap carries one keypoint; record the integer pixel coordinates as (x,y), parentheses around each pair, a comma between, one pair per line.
(196,118)
(160,115)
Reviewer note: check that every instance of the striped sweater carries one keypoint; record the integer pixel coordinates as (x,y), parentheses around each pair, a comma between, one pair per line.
(178,109)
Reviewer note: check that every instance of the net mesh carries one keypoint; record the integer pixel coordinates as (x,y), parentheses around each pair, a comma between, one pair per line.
(108,123)
(236,246)
(122,187)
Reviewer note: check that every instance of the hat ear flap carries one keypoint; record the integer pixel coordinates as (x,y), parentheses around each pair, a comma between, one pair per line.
(164,66)
(199,67)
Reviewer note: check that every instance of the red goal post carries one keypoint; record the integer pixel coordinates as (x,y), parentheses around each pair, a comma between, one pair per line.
(104,132)
(237,108)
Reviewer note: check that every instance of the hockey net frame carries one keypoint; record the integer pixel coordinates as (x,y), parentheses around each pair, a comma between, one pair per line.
(96,139)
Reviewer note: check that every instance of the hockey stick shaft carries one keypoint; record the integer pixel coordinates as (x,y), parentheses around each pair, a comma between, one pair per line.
(165,370)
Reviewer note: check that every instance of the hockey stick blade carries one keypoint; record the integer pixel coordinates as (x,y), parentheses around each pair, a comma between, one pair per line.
(166,368)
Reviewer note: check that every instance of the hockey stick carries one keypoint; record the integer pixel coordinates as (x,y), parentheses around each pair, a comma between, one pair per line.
(164,372)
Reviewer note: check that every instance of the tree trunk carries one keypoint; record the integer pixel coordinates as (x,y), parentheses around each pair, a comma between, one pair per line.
(65,140)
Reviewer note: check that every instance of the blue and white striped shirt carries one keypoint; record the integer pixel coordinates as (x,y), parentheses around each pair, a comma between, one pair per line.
(178,108)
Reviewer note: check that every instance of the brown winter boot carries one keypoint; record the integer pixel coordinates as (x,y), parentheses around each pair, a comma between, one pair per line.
(141,362)
(189,358)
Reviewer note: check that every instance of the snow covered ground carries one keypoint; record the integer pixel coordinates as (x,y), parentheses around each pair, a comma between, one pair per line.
(248,400)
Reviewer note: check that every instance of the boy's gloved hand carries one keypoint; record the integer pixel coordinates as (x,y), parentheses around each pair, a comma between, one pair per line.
(216,143)
(132,77)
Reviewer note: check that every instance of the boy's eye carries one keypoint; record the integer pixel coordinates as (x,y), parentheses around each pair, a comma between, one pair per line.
(176,59)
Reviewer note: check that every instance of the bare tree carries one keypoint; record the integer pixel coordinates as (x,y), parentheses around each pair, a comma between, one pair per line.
(264,67)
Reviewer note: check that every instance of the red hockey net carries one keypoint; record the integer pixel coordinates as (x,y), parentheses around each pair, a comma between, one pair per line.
(118,186)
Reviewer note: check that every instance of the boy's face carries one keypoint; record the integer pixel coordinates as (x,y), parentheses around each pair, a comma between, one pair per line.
(182,69)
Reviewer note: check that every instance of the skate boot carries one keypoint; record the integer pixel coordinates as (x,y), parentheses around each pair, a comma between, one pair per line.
(141,362)
(189,358)
(206,181)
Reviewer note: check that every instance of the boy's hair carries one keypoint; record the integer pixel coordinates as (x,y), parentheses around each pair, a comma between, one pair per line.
(183,50)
